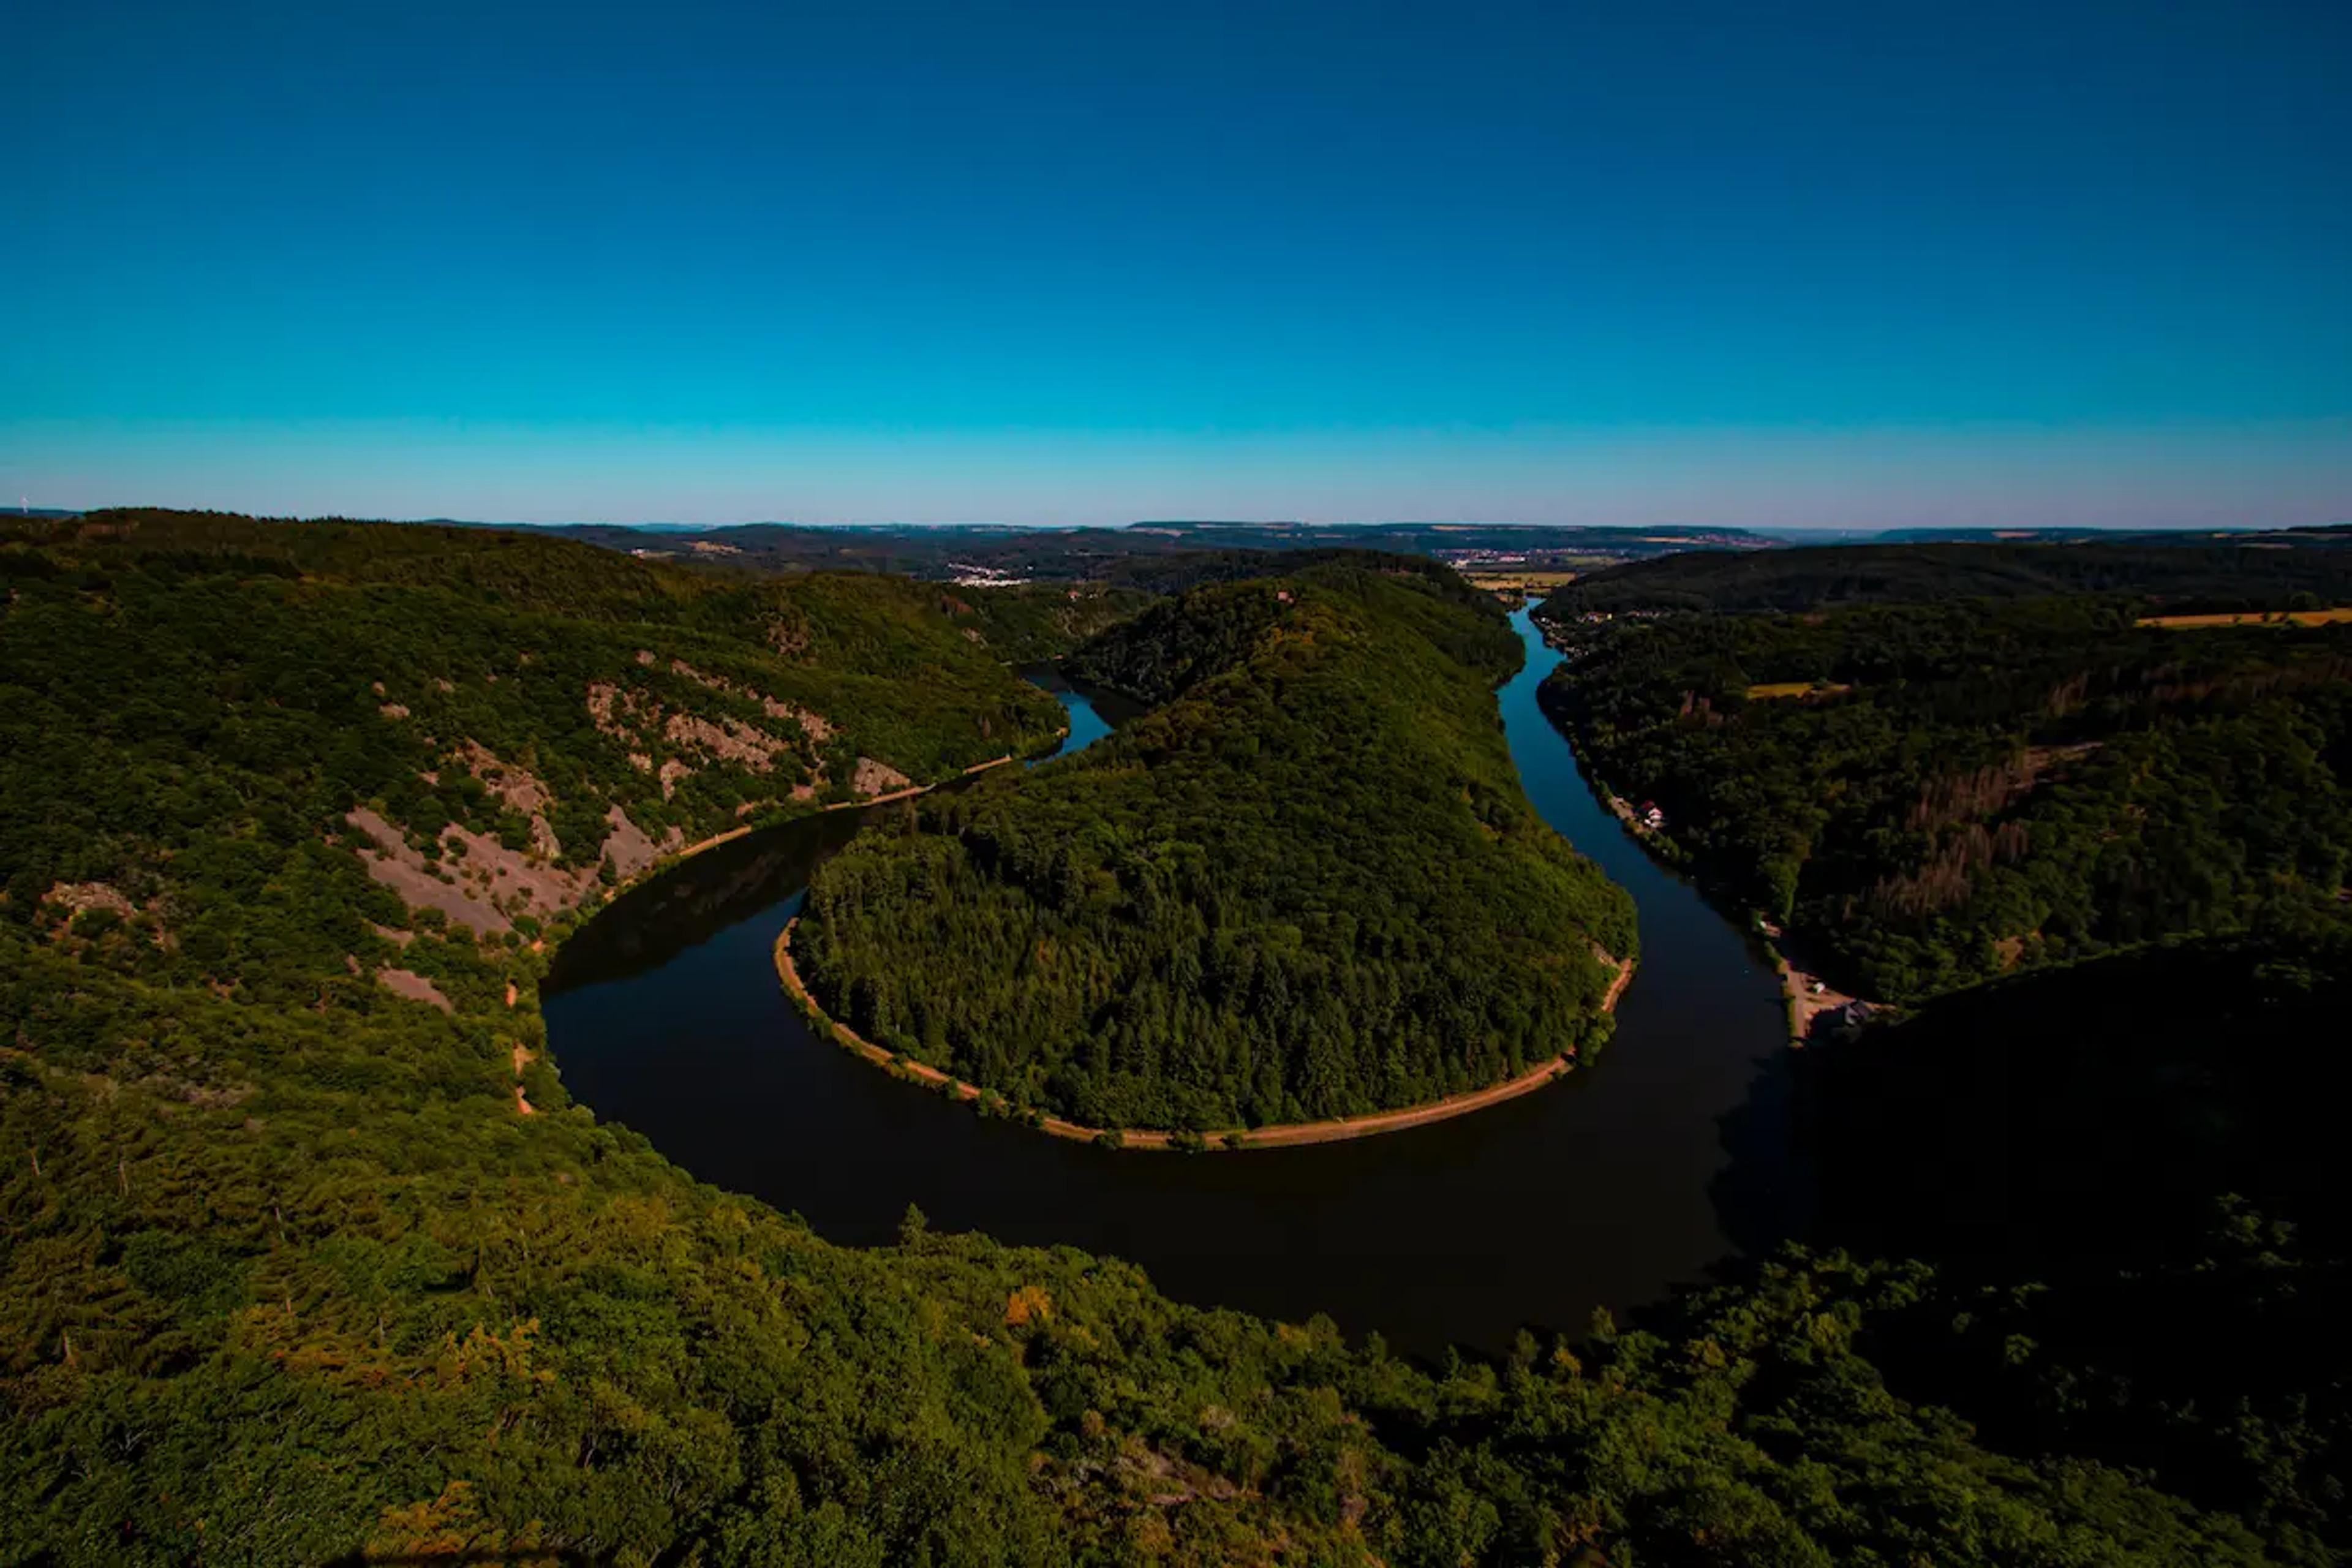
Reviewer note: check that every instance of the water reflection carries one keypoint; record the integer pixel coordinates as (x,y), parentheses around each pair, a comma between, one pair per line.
(1603,1191)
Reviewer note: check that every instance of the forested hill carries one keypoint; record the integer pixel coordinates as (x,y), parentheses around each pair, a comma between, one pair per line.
(1182,640)
(2240,573)
(1307,885)
(289,1276)
(1933,795)
(497,722)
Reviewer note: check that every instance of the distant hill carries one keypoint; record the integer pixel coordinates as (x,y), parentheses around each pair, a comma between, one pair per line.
(1132,553)
(2239,571)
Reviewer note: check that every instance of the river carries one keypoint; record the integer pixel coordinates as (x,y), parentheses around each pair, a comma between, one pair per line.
(1671,1154)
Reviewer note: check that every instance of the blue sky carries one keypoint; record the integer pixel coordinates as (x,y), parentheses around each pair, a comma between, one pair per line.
(1881,263)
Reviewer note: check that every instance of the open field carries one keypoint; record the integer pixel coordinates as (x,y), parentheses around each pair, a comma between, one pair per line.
(1774,688)
(1533,580)
(2337,615)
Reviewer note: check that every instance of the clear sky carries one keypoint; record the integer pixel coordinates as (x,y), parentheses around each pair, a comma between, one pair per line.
(1876,263)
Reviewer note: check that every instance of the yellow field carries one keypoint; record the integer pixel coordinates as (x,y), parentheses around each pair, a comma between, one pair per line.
(1792,688)
(1532,581)
(2255,618)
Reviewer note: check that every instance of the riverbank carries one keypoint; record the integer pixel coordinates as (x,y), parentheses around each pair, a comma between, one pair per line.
(673,1022)
(1802,1002)
(1808,995)
(599,899)
(911,790)
(1805,996)
(1280,1135)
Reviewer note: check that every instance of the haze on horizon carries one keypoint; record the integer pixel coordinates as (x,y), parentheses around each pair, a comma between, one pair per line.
(1840,266)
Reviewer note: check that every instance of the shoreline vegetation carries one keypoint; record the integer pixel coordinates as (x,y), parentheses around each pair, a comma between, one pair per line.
(911,790)
(1994,787)
(670,862)
(1801,1004)
(1306,887)
(1277,1135)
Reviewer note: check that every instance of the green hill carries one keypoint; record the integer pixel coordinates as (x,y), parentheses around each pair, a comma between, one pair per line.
(1931,795)
(287,1276)
(1308,885)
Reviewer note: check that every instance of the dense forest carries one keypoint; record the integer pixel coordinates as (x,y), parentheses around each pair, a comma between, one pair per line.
(1932,794)
(2305,566)
(288,1274)
(1306,885)
(206,716)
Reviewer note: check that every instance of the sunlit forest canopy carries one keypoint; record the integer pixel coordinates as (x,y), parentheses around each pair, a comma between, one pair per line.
(2289,568)
(1932,794)
(1306,885)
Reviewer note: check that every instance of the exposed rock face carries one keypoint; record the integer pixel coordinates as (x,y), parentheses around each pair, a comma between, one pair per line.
(644,723)
(514,785)
(811,724)
(730,739)
(613,709)
(513,880)
(403,870)
(877,778)
(414,987)
(487,884)
(79,897)
(477,882)
(629,849)
(519,789)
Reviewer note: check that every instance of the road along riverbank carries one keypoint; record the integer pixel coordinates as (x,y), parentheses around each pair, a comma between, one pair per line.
(1277,1135)
(1660,1155)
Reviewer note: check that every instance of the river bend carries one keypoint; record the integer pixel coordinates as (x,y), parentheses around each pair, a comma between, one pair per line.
(1672,1152)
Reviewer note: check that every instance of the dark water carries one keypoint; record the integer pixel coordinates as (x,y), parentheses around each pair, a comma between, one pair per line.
(1092,712)
(1670,1155)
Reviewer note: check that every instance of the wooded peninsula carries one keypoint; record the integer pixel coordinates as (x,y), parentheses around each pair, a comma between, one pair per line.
(1306,885)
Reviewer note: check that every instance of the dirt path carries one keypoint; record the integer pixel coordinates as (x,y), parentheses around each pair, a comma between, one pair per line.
(713,842)
(1278,1136)
(669,858)
(911,790)
(522,1059)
